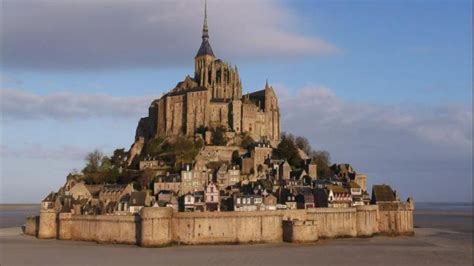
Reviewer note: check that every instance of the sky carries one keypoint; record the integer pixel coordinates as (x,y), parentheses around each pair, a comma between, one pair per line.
(383,85)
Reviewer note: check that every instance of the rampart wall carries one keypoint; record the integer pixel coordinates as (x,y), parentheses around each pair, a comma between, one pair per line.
(155,227)
(32,226)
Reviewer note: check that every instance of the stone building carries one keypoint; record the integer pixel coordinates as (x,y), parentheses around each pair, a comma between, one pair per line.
(211,98)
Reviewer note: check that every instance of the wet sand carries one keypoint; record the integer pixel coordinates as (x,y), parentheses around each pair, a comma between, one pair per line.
(441,238)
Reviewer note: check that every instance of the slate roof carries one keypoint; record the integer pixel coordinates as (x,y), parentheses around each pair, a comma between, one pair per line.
(113,188)
(337,189)
(205,49)
(51,197)
(383,193)
(94,189)
(304,190)
(296,174)
(137,198)
(267,184)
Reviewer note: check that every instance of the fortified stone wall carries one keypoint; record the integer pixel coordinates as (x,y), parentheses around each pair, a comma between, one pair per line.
(395,218)
(335,222)
(100,228)
(219,153)
(162,227)
(32,226)
(48,224)
(226,227)
(366,222)
(300,231)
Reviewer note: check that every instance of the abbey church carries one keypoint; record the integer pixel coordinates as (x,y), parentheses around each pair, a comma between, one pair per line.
(213,98)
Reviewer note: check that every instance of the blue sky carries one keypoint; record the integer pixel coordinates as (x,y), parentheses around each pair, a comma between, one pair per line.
(384,85)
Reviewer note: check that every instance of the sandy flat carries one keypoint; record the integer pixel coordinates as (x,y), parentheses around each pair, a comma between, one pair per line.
(428,247)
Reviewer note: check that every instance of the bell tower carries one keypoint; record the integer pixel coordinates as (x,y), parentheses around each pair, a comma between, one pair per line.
(204,56)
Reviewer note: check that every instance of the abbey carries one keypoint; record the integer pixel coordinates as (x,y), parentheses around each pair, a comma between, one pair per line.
(213,98)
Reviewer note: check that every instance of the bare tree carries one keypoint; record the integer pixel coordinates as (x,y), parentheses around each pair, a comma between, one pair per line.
(303,144)
(93,161)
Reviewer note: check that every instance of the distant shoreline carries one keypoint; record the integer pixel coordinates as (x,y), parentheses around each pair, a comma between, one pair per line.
(19,206)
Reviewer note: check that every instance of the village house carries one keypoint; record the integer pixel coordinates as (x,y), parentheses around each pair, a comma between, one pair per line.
(270,202)
(247,202)
(193,179)
(164,197)
(286,198)
(311,168)
(113,192)
(138,200)
(299,177)
(193,201)
(357,194)
(284,170)
(304,197)
(226,201)
(48,201)
(228,175)
(333,196)
(83,191)
(212,197)
(169,182)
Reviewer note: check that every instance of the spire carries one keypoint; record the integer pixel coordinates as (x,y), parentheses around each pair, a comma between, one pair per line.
(205,48)
(205,29)
(266,84)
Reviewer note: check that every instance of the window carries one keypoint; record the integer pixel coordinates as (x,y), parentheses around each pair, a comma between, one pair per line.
(238,200)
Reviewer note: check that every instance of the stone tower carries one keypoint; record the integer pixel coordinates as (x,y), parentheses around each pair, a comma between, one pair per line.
(205,55)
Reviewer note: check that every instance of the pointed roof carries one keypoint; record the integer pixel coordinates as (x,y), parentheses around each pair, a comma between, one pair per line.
(205,48)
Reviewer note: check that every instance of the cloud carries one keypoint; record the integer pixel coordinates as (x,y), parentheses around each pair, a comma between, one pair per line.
(7,80)
(442,124)
(41,152)
(23,105)
(106,34)
(422,150)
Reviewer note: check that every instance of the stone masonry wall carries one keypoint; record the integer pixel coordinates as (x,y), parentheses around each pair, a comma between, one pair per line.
(226,227)
(32,226)
(395,218)
(100,228)
(161,226)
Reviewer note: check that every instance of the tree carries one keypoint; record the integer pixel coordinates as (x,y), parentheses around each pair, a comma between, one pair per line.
(113,176)
(235,157)
(154,146)
(201,130)
(219,138)
(246,141)
(182,150)
(118,158)
(287,150)
(105,164)
(93,161)
(303,144)
(323,160)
